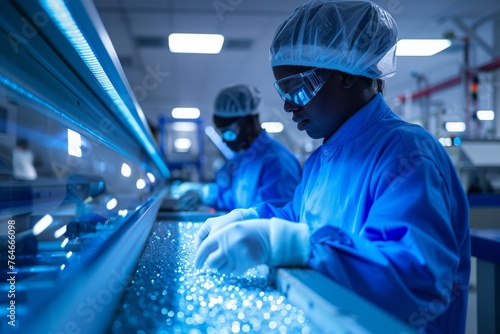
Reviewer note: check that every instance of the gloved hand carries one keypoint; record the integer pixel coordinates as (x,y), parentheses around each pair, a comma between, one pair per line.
(189,201)
(246,244)
(213,224)
(178,188)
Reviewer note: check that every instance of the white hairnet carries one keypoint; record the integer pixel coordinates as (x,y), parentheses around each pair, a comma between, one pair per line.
(356,37)
(237,101)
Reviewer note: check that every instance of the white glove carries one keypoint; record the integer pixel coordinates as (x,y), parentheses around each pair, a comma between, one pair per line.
(213,224)
(246,244)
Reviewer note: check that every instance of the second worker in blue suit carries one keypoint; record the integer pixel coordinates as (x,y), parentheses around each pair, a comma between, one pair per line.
(262,170)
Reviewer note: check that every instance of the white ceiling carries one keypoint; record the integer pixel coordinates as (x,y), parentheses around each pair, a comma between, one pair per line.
(194,80)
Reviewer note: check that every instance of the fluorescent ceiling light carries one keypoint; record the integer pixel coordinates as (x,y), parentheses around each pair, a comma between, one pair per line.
(485,115)
(186,113)
(182,144)
(455,126)
(272,127)
(195,43)
(421,47)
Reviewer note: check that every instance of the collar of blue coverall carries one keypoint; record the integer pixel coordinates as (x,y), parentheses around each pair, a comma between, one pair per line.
(364,118)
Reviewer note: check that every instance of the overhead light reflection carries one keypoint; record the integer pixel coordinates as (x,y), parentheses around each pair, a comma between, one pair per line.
(140,184)
(455,126)
(60,232)
(74,144)
(151,177)
(485,115)
(42,224)
(64,243)
(112,203)
(126,170)
(218,142)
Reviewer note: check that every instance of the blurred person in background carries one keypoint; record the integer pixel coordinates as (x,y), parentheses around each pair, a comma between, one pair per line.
(263,170)
(23,160)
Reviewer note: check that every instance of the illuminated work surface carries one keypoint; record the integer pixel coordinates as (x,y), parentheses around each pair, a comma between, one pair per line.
(168,295)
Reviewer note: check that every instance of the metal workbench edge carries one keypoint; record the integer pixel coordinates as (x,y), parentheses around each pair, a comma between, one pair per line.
(332,307)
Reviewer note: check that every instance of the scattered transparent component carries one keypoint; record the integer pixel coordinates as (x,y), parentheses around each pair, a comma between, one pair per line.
(168,295)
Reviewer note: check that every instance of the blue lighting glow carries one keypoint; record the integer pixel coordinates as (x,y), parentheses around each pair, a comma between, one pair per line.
(457,141)
(36,99)
(63,19)
(218,142)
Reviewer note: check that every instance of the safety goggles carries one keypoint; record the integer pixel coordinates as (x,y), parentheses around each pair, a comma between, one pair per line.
(300,88)
(231,132)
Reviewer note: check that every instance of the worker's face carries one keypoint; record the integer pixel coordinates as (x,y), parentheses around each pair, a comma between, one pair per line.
(233,132)
(321,116)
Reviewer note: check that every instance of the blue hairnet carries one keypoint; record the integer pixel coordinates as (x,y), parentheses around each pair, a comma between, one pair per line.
(237,101)
(356,37)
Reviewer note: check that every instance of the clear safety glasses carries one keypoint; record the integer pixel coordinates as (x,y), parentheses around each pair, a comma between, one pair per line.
(231,132)
(300,88)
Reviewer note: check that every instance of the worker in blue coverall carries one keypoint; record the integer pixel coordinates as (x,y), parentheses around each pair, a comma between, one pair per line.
(380,208)
(262,169)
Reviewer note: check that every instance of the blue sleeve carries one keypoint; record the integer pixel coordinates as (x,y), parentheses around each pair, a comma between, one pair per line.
(225,195)
(278,181)
(288,212)
(405,255)
(225,200)
(291,211)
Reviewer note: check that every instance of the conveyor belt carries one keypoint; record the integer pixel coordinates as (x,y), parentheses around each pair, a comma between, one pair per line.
(168,295)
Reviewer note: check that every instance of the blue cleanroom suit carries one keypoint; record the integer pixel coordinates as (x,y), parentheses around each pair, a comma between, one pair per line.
(388,218)
(266,171)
